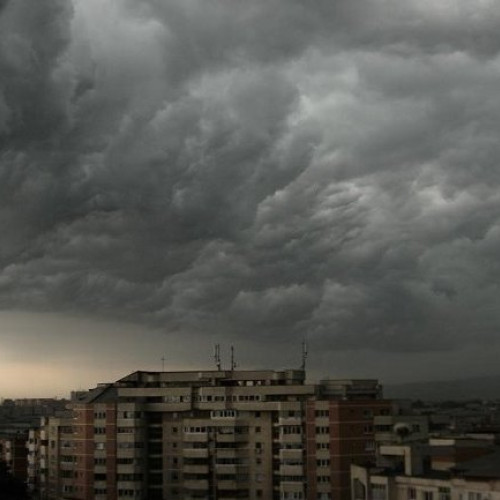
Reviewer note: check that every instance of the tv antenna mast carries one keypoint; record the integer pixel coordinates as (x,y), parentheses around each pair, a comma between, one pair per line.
(304,355)
(233,363)
(217,356)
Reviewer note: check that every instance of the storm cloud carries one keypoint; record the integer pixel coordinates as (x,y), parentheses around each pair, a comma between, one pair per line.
(278,169)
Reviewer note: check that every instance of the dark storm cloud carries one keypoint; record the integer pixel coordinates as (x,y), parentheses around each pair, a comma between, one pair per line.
(280,169)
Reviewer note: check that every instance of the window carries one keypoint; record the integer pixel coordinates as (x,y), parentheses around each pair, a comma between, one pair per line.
(378,492)
(128,477)
(323,479)
(292,495)
(370,445)
(322,430)
(428,495)
(291,429)
(322,446)
(359,490)
(321,413)
(131,414)
(323,462)
(125,430)
(129,493)
(127,445)
(223,414)
(412,493)
(444,493)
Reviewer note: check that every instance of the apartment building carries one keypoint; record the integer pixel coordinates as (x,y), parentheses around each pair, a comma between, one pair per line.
(13,453)
(442,469)
(219,434)
(33,458)
(55,466)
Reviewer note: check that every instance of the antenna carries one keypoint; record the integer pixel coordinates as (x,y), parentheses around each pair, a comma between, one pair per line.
(217,356)
(304,355)
(233,364)
(163,363)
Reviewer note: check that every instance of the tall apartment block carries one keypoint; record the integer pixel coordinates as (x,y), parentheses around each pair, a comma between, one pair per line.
(214,435)
(13,454)
(56,459)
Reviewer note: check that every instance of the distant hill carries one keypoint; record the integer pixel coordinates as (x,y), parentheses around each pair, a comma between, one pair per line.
(471,388)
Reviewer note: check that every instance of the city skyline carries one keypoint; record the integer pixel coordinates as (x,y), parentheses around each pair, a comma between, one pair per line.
(179,174)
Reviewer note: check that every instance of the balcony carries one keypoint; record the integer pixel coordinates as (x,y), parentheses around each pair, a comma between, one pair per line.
(195,469)
(129,422)
(230,468)
(231,452)
(168,407)
(195,452)
(289,421)
(196,484)
(292,486)
(232,438)
(291,470)
(228,484)
(290,438)
(290,454)
(196,437)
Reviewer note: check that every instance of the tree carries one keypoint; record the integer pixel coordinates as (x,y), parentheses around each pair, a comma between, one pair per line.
(11,488)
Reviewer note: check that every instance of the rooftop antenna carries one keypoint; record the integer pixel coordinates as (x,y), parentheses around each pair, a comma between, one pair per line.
(217,356)
(304,355)
(233,364)
(163,363)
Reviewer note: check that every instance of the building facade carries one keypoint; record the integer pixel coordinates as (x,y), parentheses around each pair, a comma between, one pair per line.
(444,469)
(213,435)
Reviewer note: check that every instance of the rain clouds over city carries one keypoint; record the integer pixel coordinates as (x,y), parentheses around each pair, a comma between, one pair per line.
(256,173)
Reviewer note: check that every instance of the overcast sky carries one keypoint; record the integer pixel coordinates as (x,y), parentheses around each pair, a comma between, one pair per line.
(179,173)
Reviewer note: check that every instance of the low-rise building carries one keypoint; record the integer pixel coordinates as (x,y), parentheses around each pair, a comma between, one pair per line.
(439,470)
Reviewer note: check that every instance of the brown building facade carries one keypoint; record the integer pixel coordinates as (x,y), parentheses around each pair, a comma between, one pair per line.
(215,435)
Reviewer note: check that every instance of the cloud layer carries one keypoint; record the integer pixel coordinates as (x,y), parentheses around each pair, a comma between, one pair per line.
(276,169)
